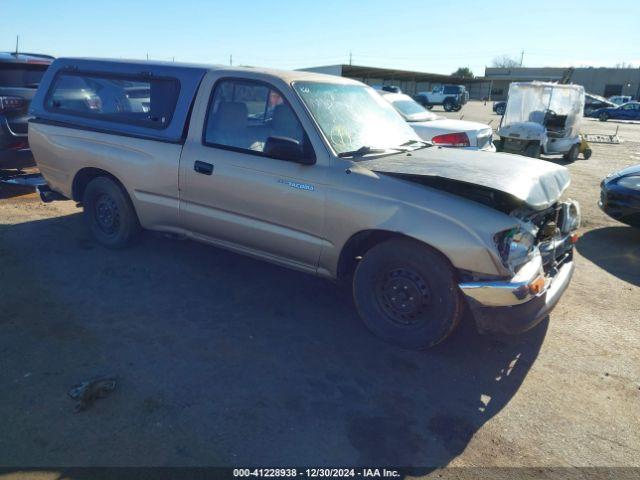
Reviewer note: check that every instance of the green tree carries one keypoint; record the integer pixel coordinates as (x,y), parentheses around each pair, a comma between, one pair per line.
(463,72)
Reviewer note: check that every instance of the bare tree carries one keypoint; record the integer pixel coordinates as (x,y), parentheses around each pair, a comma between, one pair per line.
(505,61)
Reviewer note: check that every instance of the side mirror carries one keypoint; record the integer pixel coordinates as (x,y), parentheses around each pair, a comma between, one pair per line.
(285,148)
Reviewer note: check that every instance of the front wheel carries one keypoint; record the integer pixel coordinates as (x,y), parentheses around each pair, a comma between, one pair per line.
(407,294)
(109,213)
(500,110)
(572,154)
(448,106)
(457,108)
(428,106)
(603,117)
(587,154)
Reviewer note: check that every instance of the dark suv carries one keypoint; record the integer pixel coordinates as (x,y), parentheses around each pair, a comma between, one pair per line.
(20,74)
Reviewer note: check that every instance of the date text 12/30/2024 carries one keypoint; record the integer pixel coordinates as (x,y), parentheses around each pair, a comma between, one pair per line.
(315,472)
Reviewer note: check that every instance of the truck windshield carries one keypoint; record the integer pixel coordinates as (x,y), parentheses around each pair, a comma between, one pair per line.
(353,117)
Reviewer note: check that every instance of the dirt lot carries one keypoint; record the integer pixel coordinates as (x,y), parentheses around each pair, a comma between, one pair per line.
(224,360)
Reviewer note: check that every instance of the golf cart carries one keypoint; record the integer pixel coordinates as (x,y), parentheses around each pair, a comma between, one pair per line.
(542,118)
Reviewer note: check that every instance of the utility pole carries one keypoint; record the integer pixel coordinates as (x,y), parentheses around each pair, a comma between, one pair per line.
(147,55)
(230,60)
(350,57)
(17,43)
(521,57)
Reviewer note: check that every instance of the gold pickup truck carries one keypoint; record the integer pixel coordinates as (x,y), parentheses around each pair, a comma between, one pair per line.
(313,172)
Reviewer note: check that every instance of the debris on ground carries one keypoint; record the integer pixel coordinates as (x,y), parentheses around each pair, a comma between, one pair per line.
(88,391)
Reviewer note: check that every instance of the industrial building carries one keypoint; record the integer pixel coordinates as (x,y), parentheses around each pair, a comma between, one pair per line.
(599,81)
(410,82)
(495,83)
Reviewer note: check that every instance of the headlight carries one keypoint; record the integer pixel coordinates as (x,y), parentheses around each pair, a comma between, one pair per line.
(570,216)
(632,182)
(516,247)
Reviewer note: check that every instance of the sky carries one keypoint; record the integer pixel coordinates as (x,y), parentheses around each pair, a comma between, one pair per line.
(430,36)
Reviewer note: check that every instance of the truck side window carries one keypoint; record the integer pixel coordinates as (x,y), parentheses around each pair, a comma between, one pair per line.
(244,114)
(115,98)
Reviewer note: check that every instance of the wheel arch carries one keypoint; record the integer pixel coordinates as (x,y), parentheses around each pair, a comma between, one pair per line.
(84,176)
(361,242)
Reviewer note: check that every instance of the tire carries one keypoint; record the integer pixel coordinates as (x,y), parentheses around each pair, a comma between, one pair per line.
(587,154)
(500,110)
(603,117)
(426,283)
(532,150)
(457,108)
(499,144)
(448,105)
(572,154)
(428,106)
(109,213)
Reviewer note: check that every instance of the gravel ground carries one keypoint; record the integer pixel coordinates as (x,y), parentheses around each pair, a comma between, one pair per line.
(225,360)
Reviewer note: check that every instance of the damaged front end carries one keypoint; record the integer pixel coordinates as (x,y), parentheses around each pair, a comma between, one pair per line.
(539,253)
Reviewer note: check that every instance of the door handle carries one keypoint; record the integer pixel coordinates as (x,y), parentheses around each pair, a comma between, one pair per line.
(203,167)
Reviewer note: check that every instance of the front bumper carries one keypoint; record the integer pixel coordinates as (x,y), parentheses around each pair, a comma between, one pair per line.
(620,203)
(518,304)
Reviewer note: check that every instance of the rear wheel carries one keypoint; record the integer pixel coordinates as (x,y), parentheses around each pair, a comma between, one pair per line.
(572,154)
(457,108)
(109,213)
(428,106)
(603,117)
(532,150)
(500,110)
(448,105)
(587,154)
(407,294)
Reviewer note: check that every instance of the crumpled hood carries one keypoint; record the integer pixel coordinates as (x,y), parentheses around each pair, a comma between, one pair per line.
(537,183)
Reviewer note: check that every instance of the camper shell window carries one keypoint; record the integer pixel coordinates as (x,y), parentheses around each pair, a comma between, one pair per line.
(129,99)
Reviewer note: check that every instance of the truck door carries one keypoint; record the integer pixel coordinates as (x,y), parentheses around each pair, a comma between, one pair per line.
(236,193)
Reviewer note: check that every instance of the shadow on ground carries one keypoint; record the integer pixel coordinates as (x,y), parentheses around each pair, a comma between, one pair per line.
(615,249)
(222,360)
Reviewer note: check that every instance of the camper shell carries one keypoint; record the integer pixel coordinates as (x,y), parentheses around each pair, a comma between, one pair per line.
(174,85)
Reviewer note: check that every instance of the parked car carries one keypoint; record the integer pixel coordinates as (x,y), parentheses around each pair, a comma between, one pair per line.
(439,130)
(451,97)
(595,102)
(620,99)
(628,111)
(500,107)
(620,196)
(334,182)
(19,77)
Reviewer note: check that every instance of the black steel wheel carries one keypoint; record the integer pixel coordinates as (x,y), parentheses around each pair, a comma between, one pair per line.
(407,294)
(109,213)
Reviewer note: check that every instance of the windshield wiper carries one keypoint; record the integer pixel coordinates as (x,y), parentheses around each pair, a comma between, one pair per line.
(364,150)
(413,142)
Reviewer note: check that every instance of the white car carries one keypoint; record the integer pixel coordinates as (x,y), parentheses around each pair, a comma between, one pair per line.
(620,99)
(439,130)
